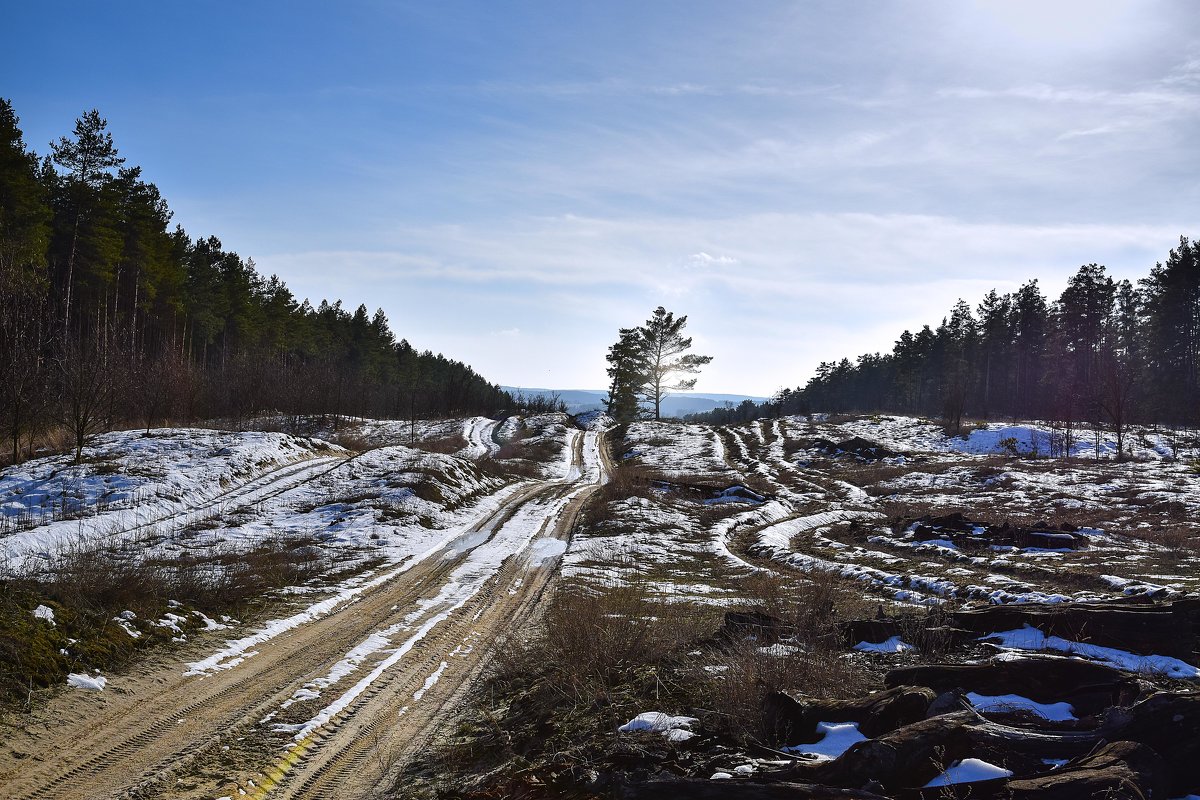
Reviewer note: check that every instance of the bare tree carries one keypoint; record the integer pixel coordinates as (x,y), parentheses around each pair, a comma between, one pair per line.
(86,389)
(1116,396)
(22,365)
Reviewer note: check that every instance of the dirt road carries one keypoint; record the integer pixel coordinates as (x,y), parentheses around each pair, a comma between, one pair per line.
(330,706)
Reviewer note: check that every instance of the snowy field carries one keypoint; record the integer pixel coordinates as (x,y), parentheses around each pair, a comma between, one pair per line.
(979,577)
(719,503)
(928,555)
(176,492)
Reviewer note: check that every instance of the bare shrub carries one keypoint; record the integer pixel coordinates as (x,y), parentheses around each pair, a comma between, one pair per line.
(444,444)
(598,657)
(596,640)
(510,467)
(807,657)
(931,633)
(628,480)
(351,439)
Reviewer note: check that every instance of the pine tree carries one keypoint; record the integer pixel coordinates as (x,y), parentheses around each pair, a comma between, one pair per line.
(995,331)
(24,208)
(665,351)
(627,373)
(1172,299)
(87,160)
(647,363)
(1030,326)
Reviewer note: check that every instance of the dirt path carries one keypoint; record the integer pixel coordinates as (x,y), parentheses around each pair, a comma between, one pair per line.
(162,733)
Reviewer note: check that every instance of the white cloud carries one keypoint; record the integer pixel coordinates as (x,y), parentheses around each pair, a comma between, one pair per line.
(703,259)
(807,288)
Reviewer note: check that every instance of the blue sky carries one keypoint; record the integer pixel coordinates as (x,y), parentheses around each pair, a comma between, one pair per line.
(512,182)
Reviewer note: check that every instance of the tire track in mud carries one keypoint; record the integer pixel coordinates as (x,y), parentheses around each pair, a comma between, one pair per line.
(144,740)
(331,761)
(271,485)
(143,730)
(258,489)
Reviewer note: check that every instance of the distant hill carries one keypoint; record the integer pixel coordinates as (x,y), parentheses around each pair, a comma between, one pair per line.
(677,405)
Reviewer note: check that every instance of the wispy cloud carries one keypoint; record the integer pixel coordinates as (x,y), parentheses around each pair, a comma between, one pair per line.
(1043,93)
(512,185)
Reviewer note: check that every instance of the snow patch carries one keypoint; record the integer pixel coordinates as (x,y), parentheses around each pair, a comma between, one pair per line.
(675,729)
(837,738)
(1030,638)
(81,680)
(969,770)
(1054,712)
(893,645)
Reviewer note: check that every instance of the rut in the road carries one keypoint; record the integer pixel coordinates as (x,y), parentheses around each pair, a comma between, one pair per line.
(168,726)
(334,758)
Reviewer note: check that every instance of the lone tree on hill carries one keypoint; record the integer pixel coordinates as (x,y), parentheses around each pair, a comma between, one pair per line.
(648,363)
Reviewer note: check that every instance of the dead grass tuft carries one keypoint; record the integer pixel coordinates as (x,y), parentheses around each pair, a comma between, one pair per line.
(627,480)
(445,445)
(807,657)
(508,467)
(89,584)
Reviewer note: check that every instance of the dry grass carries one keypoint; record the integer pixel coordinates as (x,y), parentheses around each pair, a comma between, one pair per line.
(351,439)
(497,467)
(807,658)
(445,445)
(552,707)
(930,632)
(1178,539)
(594,641)
(627,480)
(89,584)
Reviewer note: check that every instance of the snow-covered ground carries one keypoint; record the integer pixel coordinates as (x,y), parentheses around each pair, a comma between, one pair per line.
(817,512)
(186,491)
(678,451)
(913,435)
(166,466)
(133,483)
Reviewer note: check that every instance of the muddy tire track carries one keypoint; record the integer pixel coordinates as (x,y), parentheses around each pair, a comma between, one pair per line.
(155,728)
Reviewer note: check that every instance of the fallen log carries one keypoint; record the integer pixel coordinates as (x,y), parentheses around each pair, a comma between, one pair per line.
(758,625)
(917,753)
(1120,771)
(735,789)
(794,718)
(1088,686)
(870,630)
(1167,629)
(1167,723)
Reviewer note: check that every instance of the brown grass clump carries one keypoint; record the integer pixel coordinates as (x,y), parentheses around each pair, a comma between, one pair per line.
(593,642)
(497,467)
(351,439)
(1178,539)
(627,480)
(89,584)
(550,712)
(445,445)
(807,657)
